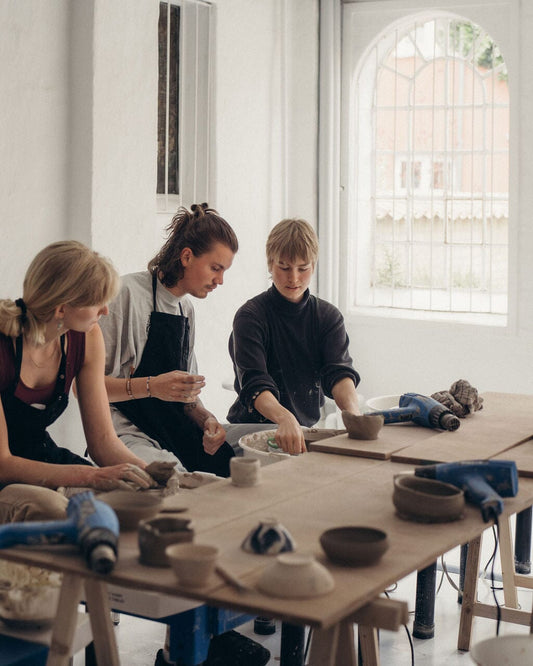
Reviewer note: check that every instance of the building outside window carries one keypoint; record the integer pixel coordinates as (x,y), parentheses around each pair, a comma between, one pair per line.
(428,142)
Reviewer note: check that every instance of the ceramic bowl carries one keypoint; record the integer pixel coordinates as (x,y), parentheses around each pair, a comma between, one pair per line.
(354,546)
(256,444)
(296,576)
(427,500)
(132,507)
(269,537)
(193,563)
(504,651)
(382,402)
(155,534)
(362,426)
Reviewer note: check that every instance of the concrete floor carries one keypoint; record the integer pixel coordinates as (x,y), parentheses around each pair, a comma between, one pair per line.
(139,640)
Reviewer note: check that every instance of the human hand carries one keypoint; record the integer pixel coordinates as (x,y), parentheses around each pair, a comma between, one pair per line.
(214,435)
(177,386)
(125,476)
(289,436)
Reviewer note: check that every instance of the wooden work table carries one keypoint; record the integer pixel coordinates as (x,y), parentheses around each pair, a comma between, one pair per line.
(308,494)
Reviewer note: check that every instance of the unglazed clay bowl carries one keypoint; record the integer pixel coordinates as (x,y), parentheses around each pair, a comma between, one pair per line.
(193,563)
(362,426)
(427,500)
(155,534)
(296,576)
(131,507)
(354,546)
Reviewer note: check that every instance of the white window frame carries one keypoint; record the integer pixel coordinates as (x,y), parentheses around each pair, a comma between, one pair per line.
(500,19)
(196,95)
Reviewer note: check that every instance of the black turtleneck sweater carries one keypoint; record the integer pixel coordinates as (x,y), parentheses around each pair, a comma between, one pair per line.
(297,351)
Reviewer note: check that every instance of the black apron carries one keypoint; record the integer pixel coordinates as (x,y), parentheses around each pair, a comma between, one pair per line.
(167,349)
(26,425)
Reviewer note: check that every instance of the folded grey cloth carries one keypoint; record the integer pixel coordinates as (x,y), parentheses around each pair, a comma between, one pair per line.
(462,398)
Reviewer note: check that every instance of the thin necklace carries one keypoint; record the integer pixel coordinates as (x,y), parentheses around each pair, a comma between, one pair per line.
(47,360)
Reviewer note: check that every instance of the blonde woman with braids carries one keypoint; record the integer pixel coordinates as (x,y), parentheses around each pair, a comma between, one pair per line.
(48,339)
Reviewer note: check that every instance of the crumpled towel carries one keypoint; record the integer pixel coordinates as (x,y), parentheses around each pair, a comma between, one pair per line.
(461,399)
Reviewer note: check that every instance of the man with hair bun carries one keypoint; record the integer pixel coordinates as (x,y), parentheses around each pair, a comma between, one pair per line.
(152,379)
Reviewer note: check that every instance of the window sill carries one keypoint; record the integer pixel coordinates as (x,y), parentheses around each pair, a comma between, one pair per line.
(498,321)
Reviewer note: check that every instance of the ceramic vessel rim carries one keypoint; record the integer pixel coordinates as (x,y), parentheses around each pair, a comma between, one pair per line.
(350,534)
(185,551)
(402,481)
(122,499)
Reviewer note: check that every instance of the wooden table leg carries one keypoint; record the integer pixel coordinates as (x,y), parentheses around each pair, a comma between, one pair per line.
(333,646)
(66,621)
(510,594)
(324,646)
(469,594)
(105,644)
(369,645)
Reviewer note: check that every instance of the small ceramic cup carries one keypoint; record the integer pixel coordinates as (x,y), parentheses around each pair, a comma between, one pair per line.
(245,471)
(193,563)
(157,533)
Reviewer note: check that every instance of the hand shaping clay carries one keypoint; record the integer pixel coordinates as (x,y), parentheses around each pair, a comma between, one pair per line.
(365,426)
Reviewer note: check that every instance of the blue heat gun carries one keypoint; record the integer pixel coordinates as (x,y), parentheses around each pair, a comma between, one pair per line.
(484,482)
(90,523)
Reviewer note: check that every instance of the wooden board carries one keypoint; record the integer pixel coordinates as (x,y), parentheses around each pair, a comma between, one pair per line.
(391,438)
(523,457)
(505,421)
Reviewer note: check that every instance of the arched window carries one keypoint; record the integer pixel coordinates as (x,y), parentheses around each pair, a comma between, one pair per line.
(429,174)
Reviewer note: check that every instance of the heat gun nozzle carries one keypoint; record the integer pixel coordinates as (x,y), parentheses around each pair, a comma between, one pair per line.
(449,421)
(102,559)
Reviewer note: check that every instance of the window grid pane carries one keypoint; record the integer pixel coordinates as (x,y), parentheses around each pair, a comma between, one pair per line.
(439,205)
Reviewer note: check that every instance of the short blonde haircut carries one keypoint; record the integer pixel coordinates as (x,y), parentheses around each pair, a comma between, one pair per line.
(292,239)
(63,273)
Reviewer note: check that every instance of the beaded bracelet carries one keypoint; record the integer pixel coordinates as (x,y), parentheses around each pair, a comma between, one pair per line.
(148,386)
(128,388)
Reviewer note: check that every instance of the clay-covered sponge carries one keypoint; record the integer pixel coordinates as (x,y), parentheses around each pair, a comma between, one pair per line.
(427,500)
(362,426)
(269,537)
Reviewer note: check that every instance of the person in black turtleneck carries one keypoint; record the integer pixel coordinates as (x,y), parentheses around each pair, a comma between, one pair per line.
(290,348)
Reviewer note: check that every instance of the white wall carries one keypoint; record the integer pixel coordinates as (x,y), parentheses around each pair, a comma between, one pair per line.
(78,90)
(266,118)
(33,140)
